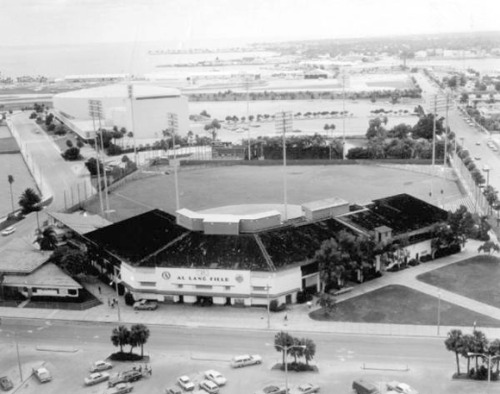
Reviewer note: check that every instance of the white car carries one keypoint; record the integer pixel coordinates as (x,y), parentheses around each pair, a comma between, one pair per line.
(185,383)
(100,366)
(96,377)
(209,386)
(42,374)
(308,388)
(8,231)
(402,388)
(246,359)
(215,377)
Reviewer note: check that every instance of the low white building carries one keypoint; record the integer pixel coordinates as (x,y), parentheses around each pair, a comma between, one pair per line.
(142,109)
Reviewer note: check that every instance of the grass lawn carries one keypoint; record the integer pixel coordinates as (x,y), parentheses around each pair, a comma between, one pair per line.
(475,278)
(411,307)
(238,185)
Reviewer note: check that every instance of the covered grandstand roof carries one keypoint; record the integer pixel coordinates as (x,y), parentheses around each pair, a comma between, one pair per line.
(402,213)
(120,90)
(154,238)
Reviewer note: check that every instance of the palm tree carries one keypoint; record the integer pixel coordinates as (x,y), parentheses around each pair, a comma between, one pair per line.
(29,201)
(212,127)
(455,343)
(10,179)
(120,336)
(310,349)
(47,239)
(139,335)
(282,341)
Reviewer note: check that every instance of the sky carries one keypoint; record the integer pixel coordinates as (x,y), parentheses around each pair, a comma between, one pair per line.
(36,22)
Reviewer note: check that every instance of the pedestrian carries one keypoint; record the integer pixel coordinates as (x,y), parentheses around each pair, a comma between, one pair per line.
(99,288)
(109,302)
(286,317)
(140,368)
(309,304)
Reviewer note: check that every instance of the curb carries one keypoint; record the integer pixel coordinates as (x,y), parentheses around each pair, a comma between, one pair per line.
(58,349)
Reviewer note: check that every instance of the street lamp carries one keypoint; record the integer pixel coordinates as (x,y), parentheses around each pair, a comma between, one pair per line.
(488,357)
(285,349)
(487,169)
(268,305)
(439,311)
(14,333)
(115,281)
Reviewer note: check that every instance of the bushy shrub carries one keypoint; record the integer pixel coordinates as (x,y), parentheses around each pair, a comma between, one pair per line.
(122,356)
(413,262)
(51,127)
(303,297)
(114,150)
(425,258)
(72,154)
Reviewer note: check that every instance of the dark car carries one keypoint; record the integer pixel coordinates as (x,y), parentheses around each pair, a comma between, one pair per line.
(6,383)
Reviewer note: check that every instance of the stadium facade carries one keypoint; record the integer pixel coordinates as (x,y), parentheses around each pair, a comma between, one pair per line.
(141,109)
(249,259)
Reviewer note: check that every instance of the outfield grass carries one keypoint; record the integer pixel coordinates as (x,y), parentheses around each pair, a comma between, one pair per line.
(475,278)
(401,305)
(238,185)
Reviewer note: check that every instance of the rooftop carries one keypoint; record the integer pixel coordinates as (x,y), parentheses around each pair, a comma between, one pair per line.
(80,222)
(21,257)
(47,276)
(120,90)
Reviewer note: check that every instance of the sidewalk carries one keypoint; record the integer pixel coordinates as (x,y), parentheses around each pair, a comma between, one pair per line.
(255,318)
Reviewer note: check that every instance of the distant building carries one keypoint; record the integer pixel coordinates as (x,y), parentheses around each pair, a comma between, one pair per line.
(97,78)
(250,259)
(151,104)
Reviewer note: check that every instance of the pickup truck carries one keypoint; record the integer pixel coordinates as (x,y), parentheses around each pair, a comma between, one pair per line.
(131,375)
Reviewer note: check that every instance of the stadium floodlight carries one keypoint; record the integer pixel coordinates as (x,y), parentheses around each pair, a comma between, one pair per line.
(283,123)
(173,126)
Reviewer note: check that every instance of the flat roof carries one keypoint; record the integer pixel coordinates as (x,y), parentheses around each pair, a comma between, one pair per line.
(326,203)
(47,276)
(20,256)
(81,222)
(120,90)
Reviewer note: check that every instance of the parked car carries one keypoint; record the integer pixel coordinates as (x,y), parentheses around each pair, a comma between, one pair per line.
(132,375)
(8,231)
(42,374)
(5,383)
(145,305)
(121,388)
(96,377)
(245,360)
(308,388)
(185,383)
(100,365)
(173,390)
(209,386)
(215,377)
(401,388)
(272,389)
(361,386)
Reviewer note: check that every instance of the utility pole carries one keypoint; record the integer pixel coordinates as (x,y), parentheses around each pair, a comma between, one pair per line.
(283,123)
(131,98)
(93,108)
(343,114)
(173,125)
(247,86)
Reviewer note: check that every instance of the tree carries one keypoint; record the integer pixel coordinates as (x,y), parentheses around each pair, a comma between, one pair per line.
(464,98)
(310,349)
(139,335)
(91,165)
(47,239)
(329,260)
(212,127)
(282,341)
(29,201)
(120,336)
(455,343)
(10,179)
(425,125)
(327,302)
(72,154)
(69,143)
(73,262)
(489,247)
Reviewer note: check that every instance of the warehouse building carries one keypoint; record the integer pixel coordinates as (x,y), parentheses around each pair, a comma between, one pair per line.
(142,109)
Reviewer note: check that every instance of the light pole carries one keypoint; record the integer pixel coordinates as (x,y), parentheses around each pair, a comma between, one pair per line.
(439,312)
(283,123)
(487,169)
(115,281)
(286,349)
(173,126)
(14,333)
(488,357)
(268,305)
